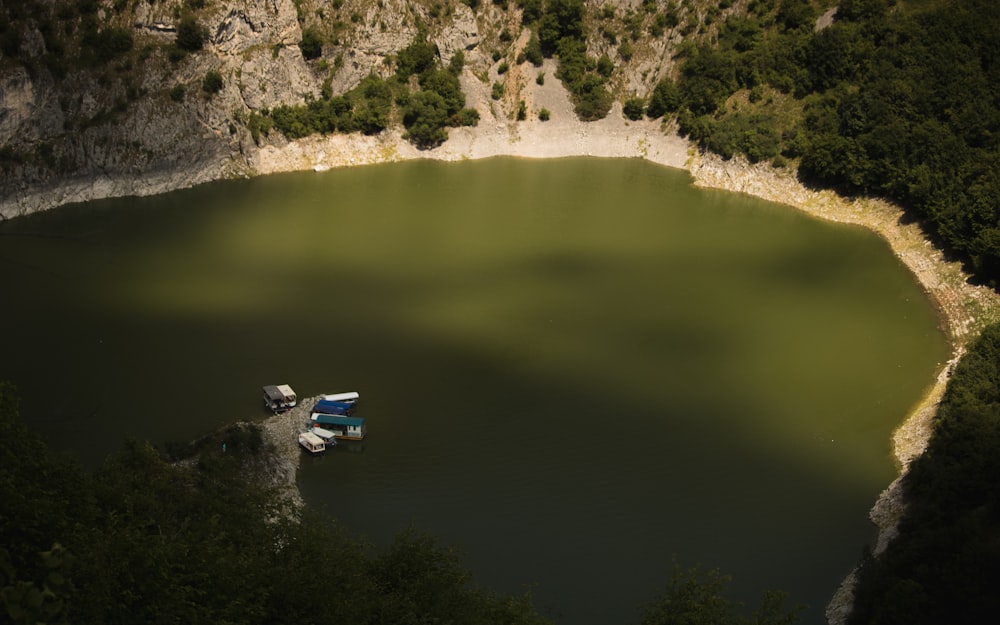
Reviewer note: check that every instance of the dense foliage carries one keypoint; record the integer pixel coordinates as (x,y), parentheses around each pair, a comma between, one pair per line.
(427,111)
(189,536)
(915,115)
(142,540)
(561,32)
(697,597)
(892,100)
(944,566)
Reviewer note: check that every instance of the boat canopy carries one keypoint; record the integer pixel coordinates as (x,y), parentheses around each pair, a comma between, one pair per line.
(326,435)
(344,397)
(341,420)
(273,393)
(279,393)
(332,407)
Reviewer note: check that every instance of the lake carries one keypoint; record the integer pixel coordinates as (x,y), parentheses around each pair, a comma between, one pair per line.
(577,372)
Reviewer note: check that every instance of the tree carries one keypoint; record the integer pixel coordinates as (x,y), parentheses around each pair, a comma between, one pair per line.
(446,85)
(425,119)
(415,58)
(312,43)
(695,597)
(666,98)
(212,83)
(634,108)
(191,35)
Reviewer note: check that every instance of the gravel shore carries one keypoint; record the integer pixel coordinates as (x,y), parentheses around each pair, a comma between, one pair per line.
(281,431)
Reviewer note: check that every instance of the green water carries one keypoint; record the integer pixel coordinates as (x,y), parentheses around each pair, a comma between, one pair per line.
(575,371)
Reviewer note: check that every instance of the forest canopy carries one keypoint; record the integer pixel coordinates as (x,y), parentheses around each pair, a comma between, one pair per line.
(191,536)
(944,566)
(891,100)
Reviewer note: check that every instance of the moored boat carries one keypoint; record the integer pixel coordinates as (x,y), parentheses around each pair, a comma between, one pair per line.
(312,443)
(326,406)
(329,437)
(279,398)
(342,426)
(347,398)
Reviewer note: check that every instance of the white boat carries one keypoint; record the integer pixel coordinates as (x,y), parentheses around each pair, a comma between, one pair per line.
(330,438)
(346,398)
(312,443)
(279,398)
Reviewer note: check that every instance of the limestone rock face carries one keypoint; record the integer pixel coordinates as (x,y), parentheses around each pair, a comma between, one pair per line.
(141,123)
(17,100)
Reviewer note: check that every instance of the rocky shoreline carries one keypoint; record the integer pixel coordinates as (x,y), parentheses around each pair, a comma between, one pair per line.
(963,310)
(281,432)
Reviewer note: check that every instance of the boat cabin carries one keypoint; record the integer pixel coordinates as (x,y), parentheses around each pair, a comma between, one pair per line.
(311,443)
(279,398)
(348,428)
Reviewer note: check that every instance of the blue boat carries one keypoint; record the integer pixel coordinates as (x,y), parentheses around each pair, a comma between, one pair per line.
(325,406)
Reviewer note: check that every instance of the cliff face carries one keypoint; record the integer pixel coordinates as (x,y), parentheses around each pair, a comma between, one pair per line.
(139,121)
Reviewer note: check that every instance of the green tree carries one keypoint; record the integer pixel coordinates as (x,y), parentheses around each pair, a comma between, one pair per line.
(419,56)
(425,119)
(666,98)
(191,35)
(696,597)
(212,83)
(634,108)
(312,43)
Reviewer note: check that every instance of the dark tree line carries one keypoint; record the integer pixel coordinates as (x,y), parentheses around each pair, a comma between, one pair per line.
(944,566)
(145,539)
(895,101)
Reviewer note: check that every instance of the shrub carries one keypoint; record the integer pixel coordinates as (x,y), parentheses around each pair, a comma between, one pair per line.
(108,43)
(212,83)
(415,58)
(311,44)
(465,117)
(634,108)
(177,93)
(191,35)
(533,51)
(544,115)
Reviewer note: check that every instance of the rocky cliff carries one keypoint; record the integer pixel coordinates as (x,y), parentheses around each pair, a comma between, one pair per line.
(84,116)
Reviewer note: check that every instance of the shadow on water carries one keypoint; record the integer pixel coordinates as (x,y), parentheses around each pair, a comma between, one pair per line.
(585,371)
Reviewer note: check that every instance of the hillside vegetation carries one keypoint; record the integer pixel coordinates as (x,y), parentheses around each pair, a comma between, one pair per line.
(152,539)
(944,565)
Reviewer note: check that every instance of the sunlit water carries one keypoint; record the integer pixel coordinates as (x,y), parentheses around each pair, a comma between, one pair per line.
(576,372)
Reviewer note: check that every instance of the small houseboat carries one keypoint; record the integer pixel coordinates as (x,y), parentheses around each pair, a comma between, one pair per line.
(312,443)
(279,398)
(342,426)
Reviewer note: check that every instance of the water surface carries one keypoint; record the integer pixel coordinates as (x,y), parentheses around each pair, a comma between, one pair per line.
(574,371)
